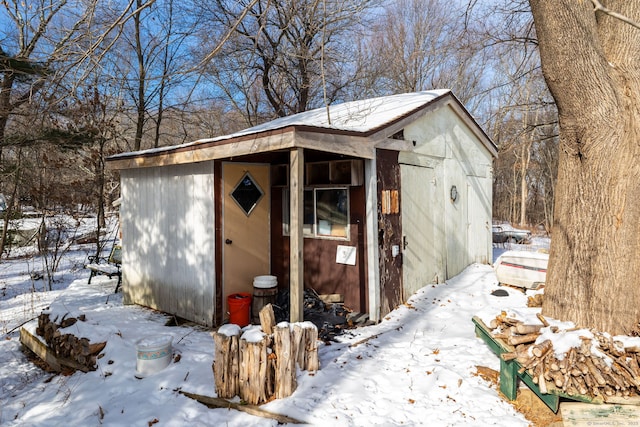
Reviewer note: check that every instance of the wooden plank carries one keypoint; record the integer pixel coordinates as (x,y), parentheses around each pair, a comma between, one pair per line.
(371,223)
(216,402)
(575,414)
(509,379)
(40,349)
(46,354)
(332,298)
(296,215)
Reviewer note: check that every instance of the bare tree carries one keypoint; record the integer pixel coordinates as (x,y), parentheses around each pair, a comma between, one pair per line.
(274,61)
(590,63)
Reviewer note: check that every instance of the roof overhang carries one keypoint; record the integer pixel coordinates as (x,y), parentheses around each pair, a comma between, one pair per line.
(350,143)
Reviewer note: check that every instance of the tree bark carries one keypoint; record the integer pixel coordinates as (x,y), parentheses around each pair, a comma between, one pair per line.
(590,63)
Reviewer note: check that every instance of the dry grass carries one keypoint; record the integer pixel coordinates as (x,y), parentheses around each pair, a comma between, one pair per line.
(526,402)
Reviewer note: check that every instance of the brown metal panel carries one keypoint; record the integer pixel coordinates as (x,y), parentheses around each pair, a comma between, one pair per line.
(389,231)
(217,176)
(321,272)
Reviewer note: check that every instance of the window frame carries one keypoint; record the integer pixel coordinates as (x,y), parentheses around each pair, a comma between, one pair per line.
(313,232)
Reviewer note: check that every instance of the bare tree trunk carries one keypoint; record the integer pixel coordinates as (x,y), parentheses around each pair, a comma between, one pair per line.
(593,71)
(8,213)
(524,189)
(142,73)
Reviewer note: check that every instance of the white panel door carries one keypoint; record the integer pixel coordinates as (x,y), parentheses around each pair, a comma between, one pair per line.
(420,252)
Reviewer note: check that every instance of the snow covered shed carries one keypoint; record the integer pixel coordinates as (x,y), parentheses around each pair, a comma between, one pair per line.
(370,199)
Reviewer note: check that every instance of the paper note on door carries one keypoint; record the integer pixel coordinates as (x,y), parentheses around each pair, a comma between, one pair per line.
(346,255)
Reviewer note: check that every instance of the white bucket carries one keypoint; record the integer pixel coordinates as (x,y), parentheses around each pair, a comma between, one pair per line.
(154,354)
(264,282)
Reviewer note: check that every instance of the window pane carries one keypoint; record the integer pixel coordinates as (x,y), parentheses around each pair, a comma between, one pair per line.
(332,212)
(309,219)
(247,193)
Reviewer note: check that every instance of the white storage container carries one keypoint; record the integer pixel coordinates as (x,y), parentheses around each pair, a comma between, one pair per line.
(153,354)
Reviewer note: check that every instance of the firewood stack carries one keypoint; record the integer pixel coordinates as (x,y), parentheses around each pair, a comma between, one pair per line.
(604,368)
(78,352)
(260,370)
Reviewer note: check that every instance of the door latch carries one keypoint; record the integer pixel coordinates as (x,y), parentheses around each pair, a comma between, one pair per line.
(405,243)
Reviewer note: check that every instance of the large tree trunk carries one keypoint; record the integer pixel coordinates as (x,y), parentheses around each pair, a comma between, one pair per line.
(590,62)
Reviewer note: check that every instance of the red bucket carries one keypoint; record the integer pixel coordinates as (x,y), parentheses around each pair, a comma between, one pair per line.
(239,308)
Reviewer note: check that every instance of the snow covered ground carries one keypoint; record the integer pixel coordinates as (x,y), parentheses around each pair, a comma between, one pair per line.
(419,367)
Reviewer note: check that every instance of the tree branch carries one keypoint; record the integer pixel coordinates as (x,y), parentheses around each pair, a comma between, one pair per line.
(598,7)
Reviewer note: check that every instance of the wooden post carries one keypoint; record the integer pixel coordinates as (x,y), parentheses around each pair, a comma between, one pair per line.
(285,383)
(296,221)
(226,365)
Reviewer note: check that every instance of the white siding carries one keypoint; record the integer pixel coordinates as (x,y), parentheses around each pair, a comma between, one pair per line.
(168,238)
(463,233)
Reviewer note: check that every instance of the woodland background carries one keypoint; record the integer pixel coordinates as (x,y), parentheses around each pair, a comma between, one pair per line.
(84,79)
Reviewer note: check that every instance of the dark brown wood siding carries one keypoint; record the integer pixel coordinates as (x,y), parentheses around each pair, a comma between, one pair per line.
(389,232)
(321,272)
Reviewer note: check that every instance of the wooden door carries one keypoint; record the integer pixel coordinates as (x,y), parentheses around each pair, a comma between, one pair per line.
(246,227)
(419,217)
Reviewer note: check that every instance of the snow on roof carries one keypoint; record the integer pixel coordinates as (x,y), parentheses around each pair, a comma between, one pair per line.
(356,116)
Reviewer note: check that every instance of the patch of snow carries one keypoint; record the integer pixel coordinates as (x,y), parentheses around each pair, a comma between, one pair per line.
(420,359)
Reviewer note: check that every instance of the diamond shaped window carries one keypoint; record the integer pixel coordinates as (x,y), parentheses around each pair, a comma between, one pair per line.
(247,193)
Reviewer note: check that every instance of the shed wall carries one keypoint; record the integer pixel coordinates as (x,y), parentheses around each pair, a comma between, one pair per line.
(463,227)
(168,239)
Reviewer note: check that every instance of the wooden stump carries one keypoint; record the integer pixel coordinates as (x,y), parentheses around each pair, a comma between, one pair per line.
(255,374)
(305,338)
(258,366)
(226,364)
(285,363)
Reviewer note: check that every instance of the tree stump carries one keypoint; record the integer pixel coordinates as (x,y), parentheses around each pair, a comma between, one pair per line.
(285,383)
(258,366)
(255,375)
(305,337)
(226,364)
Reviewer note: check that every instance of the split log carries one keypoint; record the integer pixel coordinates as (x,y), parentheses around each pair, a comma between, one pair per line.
(267,319)
(252,378)
(226,364)
(79,353)
(285,382)
(542,319)
(524,329)
(305,345)
(521,339)
(581,370)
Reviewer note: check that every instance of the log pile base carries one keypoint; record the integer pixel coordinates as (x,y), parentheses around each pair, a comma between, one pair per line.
(261,367)
(61,352)
(608,374)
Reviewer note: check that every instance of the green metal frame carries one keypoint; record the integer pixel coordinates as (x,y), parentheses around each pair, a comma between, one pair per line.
(509,372)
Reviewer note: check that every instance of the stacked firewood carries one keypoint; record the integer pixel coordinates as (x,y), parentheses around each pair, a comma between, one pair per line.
(604,368)
(74,352)
(259,370)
